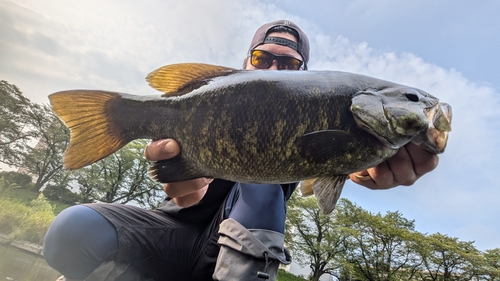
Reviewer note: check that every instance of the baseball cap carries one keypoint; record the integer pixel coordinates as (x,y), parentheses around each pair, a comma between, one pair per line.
(302,46)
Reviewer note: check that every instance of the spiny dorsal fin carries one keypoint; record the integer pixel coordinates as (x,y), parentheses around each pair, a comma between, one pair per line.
(182,78)
(85,114)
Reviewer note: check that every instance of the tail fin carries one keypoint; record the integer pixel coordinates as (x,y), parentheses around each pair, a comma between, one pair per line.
(85,113)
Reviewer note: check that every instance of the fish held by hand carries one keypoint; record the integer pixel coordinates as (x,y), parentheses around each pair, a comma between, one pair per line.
(257,126)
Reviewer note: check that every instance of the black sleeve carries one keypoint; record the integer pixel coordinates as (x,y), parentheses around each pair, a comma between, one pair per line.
(204,210)
(288,189)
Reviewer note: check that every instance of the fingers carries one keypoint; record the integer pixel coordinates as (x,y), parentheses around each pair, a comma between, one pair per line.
(405,168)
(161,150)
(423,161)
(184,193)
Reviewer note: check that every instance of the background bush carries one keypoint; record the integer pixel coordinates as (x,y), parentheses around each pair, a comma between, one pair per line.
(61,194)
(27,223)
(23,180)
(11,214)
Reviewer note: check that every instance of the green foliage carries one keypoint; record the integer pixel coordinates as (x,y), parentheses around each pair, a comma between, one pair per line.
(313,237)
(28,223)
(60,193)
(6,185)
(34,225)
(24,215)
(11,213)
(119,178)
(23,180)
(16,131)
(385,242)
(379,247)
(45,159)
(286,276)
(447,258)
(18,193)
(492,260)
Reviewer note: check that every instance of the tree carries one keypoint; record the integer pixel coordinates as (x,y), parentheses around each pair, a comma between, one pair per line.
(313,237)
(119,178)
(492,260)
(45,160)
(15,130)
(446,258)
(24,122)
(380,247)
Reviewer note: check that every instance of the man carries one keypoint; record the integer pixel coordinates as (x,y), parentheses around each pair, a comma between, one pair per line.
(206,228)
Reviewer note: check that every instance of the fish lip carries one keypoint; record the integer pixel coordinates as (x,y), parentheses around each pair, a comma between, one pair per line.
(435,138)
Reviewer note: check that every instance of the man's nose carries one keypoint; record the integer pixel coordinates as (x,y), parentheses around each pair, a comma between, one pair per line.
(274,65)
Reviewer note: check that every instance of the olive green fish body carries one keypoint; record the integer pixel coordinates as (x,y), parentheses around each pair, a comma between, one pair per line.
(254,126)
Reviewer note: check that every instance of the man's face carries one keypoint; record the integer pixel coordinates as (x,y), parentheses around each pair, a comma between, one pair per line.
(277,50)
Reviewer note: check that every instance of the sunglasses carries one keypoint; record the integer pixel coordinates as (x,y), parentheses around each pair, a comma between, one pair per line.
(263,60)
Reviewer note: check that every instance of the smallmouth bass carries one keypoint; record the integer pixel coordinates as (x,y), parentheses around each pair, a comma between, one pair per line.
(257,126)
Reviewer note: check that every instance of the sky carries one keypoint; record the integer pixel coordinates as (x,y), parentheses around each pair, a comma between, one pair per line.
(447,48)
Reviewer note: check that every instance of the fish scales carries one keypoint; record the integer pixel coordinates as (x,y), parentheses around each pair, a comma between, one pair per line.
(249,127)
(257,126)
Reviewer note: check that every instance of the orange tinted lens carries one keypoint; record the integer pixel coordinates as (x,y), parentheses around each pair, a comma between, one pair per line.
(261,59)
(289,63)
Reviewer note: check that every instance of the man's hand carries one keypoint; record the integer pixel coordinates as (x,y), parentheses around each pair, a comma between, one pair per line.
(184,193)
(407,166)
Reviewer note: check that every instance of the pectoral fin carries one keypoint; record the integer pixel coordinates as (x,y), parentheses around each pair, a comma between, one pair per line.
(321,146)
(182,78)
(327,191)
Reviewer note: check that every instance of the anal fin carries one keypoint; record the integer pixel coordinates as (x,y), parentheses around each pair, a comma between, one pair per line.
(327,191)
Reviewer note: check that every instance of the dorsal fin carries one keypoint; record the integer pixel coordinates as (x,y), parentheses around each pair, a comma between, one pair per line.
(182,78)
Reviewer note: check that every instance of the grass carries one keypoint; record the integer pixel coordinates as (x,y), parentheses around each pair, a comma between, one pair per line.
(19,195)
(26,222)
(25,197)
(25,215)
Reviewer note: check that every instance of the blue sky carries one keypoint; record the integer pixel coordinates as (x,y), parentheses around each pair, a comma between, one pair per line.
(447,48)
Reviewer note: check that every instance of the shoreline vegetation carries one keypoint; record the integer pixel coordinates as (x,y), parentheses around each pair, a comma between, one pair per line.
(25,217)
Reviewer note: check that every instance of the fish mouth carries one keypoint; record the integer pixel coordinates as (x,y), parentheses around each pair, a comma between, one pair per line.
(435,138)
(431,130)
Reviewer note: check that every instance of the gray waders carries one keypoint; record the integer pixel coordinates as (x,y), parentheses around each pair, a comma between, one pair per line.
(249,254)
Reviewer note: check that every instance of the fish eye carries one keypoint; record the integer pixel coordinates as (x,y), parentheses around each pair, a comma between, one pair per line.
(412,97)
